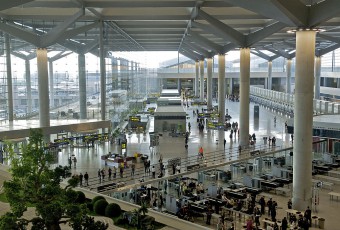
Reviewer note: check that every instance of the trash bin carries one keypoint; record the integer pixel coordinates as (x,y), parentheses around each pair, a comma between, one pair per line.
(321,223)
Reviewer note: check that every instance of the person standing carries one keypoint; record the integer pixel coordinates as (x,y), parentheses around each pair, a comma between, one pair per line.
(121,170)
(269,205)
(153,170)
(110,173)
(70,162)
(284,224)
(290,204)
(133,166)
(114,171)
(100,175)
(81,179)
(308,216)
(178,168)
(75,161)
(209,214)
(103,174)
(262,203)
(224,142)
(86,178)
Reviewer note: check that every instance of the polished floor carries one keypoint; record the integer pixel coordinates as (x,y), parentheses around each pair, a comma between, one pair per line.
(89,159)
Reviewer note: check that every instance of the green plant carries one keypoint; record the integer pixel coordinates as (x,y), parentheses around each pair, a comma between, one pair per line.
(113,210)
(143,209)
(96,198)
(121,221)
(100,206)
(89,205)
(35,184)
(81,198)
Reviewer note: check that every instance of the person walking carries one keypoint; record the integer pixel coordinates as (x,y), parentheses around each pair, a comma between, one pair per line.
(86,178)
(81,179)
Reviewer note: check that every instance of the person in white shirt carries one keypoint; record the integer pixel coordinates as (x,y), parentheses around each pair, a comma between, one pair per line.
(178,168)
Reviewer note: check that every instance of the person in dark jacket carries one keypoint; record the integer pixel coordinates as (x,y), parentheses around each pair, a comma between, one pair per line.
(284,224)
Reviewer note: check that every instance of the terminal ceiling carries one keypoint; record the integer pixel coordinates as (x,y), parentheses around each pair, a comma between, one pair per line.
(197,29)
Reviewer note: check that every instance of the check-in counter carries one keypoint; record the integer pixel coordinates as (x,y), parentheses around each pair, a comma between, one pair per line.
(269,184)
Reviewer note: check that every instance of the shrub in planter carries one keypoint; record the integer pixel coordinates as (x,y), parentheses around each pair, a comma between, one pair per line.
(94,200)
(113,210)
(81,197)
(89,205)
(99,207)
(121,221)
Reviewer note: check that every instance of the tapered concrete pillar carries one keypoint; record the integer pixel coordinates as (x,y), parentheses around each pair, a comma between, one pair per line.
(9,78)
(102,74)
(50,74)
(209,83)
(44,103)
(221,88)
(82,86)
(231,86)
(317,77)
(202,80)
(28,85)
(244,96)
(270,72)
(303,120)
(197,71)
(289,76)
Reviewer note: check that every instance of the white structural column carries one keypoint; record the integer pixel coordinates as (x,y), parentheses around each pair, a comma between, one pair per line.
(221,88)
(44,104)
(9,78)
(270,77)
(244,96)
(82,86)
(209,83)
(317,77)
(202,80)
(28,85)
(102,74)
(303,119)
(289,76)
(197,70)
(50,74)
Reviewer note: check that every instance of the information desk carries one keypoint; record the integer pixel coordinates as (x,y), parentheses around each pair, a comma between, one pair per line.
(269,184)
(237,195)
(322,168)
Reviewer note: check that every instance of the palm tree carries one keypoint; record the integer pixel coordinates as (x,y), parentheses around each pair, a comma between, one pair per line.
(143,209)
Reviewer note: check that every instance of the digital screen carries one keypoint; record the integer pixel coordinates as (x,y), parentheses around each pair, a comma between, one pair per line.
(135,118)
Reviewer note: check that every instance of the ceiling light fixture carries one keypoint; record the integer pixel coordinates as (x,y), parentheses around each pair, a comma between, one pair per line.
(293,31)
